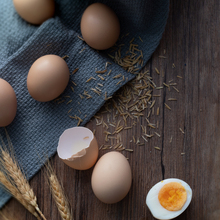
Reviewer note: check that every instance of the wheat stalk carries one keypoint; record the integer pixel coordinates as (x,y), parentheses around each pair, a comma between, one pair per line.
(59,197)
(3,216)
(20,180)
(17,195)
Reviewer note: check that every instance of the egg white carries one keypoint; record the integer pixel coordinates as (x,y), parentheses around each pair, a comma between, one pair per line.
(157,210)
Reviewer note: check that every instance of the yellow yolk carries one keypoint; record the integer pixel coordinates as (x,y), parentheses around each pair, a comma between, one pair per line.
(172,196)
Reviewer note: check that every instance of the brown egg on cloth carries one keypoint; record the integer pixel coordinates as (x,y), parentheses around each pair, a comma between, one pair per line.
(100,26)
(8,103)
(111,177)
(35,11)
(78,148)
(47,78)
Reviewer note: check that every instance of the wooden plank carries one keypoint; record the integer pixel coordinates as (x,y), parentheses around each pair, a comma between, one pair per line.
(191,43)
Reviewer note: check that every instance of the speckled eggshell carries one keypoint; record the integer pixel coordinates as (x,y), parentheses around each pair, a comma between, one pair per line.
(111,177)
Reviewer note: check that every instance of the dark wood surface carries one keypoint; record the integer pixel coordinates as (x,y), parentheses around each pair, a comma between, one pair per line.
(192,44)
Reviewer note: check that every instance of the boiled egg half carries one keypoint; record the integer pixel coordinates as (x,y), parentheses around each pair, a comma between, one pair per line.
(169,198)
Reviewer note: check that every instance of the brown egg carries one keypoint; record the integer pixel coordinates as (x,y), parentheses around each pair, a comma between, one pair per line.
(8,103)
(35,11)
(111,177)
(47,78)
(78,148)
(100,26)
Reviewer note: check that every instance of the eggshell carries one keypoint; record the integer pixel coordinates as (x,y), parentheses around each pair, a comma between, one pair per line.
(47,78)
(78,148)
(111,177)
(157,210)
(35,11)
(8,103)
(100,26)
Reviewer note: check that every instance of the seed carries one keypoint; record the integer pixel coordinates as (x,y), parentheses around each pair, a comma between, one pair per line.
(101,71)
(157,71)
(130,150)
(140,39)
(176,89)
(157,134)
(82,50)
(117,76)
(167,106)
(74,83)
(80,38)
(181,130)
(69,101)
(64,57)
(102,78)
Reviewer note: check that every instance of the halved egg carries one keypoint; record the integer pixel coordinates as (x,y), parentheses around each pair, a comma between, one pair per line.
(169,198)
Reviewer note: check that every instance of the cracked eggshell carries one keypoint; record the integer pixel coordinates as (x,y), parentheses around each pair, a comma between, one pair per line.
(78,148)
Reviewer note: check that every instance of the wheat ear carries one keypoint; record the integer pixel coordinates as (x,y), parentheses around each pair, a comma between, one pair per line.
(59,198)
(17,195)
(20,180)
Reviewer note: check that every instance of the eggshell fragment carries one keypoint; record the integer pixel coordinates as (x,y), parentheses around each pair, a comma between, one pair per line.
(35,11)
(111,178)
(100,26)
(78,148)
(47,78)
(8,103)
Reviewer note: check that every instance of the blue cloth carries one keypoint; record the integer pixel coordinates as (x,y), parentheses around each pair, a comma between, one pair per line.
(37,126)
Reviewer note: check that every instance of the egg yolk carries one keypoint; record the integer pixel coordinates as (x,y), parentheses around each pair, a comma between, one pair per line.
(172,196)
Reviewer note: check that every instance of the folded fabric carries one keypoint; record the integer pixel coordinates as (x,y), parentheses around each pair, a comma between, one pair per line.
(37,126)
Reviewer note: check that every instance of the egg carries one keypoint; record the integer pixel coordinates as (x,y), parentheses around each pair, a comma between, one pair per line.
(111,178)
(35,11)
(169,198)
(78,148)
(47,78)
(100,26)
(8,103)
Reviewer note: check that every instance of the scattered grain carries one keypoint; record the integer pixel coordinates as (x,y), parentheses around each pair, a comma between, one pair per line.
(167,106)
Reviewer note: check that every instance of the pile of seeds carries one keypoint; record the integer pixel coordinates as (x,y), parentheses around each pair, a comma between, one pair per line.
(129,106)
(126,110)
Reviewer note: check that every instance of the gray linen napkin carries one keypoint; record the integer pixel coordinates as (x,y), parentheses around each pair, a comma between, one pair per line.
(37,126)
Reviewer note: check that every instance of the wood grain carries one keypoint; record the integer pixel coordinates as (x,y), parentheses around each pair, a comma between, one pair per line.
(192,44)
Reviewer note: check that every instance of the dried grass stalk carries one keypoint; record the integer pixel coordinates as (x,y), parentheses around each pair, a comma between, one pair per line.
(17,195)
(59,197)
(17,177)
(3,216)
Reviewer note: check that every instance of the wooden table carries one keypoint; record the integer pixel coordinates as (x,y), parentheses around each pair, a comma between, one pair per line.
(191,45)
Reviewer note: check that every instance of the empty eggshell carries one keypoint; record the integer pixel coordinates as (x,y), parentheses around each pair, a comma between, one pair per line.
(35,11)
(111,177)
(8,103)
(78,148)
